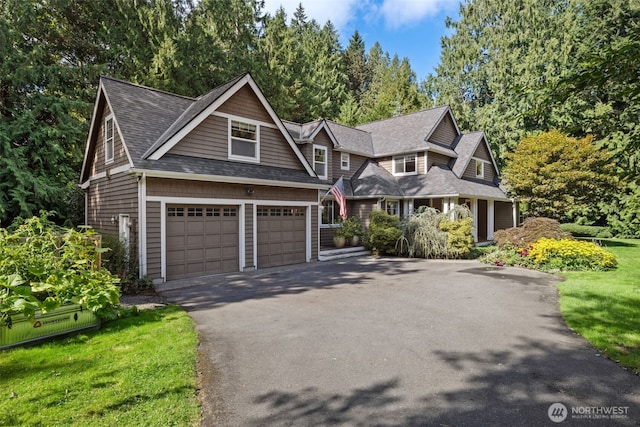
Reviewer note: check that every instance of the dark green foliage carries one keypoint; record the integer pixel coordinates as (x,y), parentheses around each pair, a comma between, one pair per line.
(384,232)
(517,68)
(580,230)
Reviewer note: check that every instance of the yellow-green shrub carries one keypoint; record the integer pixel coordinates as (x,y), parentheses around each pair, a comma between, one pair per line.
(459,236)
(567,254)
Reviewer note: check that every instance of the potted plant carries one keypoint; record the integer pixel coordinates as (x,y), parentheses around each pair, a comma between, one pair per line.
(352,230)
(339,237)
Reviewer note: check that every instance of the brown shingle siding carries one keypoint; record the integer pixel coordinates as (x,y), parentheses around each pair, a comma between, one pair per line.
(217,190)
(244,103)
(445,132)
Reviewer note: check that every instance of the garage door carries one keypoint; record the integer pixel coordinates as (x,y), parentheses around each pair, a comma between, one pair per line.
(201,240)
(281,235)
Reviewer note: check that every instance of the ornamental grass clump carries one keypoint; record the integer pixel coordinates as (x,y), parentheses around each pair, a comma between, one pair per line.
(429,233)
(567,254)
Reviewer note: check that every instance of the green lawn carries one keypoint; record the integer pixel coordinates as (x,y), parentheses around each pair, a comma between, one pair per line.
(138,370)
(604,307)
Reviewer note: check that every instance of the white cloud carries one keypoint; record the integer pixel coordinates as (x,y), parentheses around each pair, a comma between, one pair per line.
(339,12)
(397,13)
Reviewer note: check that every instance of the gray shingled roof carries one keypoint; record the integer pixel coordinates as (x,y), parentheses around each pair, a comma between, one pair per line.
(465,146)
(441,181)
(375,181)
(301,132)
(352,140)
(197,107)
(142,113)
(202,166)
(403,134)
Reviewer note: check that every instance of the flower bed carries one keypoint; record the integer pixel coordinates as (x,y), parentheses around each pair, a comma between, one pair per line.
(553,255)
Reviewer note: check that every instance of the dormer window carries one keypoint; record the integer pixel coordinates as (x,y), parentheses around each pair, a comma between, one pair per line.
(479,169)
(345,161)
(244,139)
(108,140)
(320,161)
(405,165)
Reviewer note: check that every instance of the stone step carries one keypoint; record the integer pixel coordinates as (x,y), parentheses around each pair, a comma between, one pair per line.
(332,254)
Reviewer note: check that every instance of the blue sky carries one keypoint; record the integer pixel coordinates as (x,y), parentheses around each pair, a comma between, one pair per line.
(410,28)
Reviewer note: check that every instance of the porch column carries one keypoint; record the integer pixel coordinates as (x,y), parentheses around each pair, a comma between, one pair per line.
(514,205)
(474,216)
(445,204)
(490,218)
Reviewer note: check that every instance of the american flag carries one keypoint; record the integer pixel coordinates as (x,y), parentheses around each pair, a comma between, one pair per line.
(338,193)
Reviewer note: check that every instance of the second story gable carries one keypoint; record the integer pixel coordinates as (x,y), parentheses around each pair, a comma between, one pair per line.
(229,132)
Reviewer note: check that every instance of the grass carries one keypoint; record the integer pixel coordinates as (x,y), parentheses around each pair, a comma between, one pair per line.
(604,307)
(138,370)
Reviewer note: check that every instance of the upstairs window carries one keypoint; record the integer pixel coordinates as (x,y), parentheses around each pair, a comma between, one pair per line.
(320,161)
(405,165)
(108,140)
(345,161)
(243,140)
(479,169)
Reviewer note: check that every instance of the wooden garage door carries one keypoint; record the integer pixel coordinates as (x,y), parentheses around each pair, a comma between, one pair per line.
(201,240)
(281,235)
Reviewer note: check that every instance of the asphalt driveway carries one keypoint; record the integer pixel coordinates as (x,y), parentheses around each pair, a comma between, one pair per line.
(396,342)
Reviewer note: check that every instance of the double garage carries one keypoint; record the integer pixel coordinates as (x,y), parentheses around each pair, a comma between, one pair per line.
(209,239)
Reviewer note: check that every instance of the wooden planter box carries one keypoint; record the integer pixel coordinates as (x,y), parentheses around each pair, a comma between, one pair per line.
(68,318)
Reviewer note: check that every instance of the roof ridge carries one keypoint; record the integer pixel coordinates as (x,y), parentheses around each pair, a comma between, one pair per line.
(347,126)
(141,86)
(227,83)
(404,115)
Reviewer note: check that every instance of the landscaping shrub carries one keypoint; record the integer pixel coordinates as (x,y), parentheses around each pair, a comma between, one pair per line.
(459,237)
(43,266)
(508,255)
(532,230)
(567,254)
(579,230)
(125,267)
(429,233)
(383,233)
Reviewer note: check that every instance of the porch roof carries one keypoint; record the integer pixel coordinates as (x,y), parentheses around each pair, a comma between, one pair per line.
(372,180)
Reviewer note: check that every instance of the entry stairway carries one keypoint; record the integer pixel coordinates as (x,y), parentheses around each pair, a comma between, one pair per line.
(353,251)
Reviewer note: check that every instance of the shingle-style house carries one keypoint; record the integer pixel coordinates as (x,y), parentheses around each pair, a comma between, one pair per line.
(220,183)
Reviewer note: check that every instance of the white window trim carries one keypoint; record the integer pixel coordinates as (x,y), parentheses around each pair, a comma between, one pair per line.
(231,156)
(110,160)
(396,202)
(336,214)
(415,160)
(326,160)
(347,157)
(483,164)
